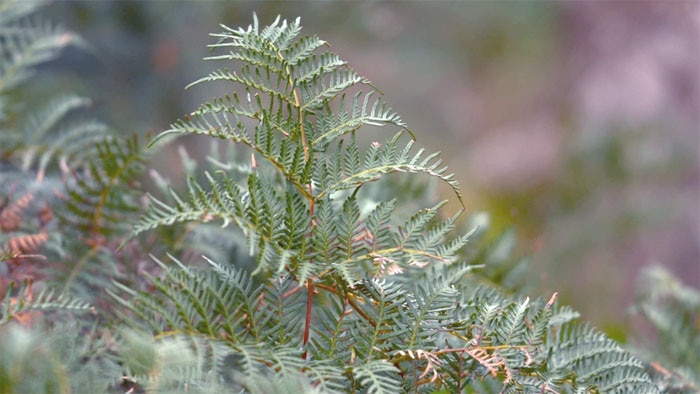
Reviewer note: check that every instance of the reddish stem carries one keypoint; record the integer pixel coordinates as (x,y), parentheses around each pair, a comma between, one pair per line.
(309,305)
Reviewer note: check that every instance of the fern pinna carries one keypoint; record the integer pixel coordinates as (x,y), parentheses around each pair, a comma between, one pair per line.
(344,297)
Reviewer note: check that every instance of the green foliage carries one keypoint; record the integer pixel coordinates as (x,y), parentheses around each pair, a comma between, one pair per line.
(673,309)
(57,163)
(101,196)
(345,285)
(13,308)
(371,312)
(19,369)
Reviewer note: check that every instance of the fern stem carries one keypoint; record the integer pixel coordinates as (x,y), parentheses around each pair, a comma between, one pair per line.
(307,321)
(280,167)
(301,126)
(362,313)
(351,300)
(312,201)
(297,103)
(485,348)
(85,259)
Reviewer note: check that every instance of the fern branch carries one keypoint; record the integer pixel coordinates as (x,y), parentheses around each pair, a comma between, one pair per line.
(24,47)
(377,377)
(381,159)
(45,300)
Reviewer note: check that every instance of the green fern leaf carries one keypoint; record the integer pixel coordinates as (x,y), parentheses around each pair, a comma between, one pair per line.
(45,300)
(513,324)
(377,377)
(284,310)
(26,44)
(382,159)
(222,304)
(100,197)
(430,307)
(337,123)
(322,244)
(598,361)
(375,336)
(331,339)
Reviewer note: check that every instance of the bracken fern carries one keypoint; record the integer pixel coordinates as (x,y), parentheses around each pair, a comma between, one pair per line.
(342,296)
(326,267)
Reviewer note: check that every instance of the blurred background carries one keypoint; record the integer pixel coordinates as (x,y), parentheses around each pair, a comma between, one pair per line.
(578,123)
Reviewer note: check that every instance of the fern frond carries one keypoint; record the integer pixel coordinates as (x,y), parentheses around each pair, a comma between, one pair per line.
(264,370)
(14,10)
(13,211)
(307,71)
(53,135)
(375,334)
(673,309)
(377,377)
(430,307)
(273,85)
(347,228)
(285,374)
(343,243)
(222,304)
(25,300)
(251,363)
(326,87)
(343,293)
(222,119)
(331,337)
(364,110)
(273,39)
(24,244)
(513,324)
(564,314)
(598,361)
(380,159)
(284,307)
(421,242)
(100,197)
(326,378)
(253,210)
(26,44)
(35,128)
(81,266)
(378,224)
(281,103)
(83,350)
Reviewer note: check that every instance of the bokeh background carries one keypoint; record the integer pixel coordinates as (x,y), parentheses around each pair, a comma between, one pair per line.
(576,122)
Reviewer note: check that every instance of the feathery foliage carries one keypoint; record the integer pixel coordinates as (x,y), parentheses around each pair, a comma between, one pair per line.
(69,183)
(328,266)
(382,303)
(673,310)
